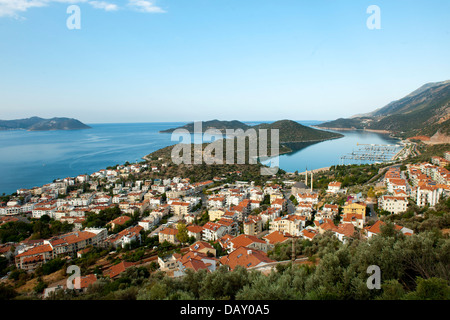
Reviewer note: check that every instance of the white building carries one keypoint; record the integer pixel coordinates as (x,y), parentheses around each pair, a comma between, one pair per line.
(393,204)
(334,187)
(213,231)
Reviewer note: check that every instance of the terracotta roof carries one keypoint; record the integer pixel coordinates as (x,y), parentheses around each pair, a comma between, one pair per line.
(399,192)
(225,240)
(347,229)
(252,219)
(36,250)
(194,255)
(32,259)
(398,182)
(117,269)
(245,257)
(278,202)
(244,240)
(75,237)
(5,248)
(194,229)
(83,251)
(177,203)
(87,280)
(195,265)
(375,228)
(199,245)
(308,205)
(309,233)
(169,231)
(133,229)
(6,219)
(211,226)
(349,217)
(276,237)
(328,225)
(225,222)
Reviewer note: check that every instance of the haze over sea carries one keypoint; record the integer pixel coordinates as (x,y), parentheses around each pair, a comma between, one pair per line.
(34,158)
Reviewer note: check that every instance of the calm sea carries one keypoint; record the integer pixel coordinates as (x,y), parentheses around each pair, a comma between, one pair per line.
(29,159)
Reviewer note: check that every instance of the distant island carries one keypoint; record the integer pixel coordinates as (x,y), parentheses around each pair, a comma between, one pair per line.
(293,135)
(40,124)
(290,131)
(424,114)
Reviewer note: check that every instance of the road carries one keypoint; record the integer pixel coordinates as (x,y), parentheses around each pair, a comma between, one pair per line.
(373,215)
(290,205)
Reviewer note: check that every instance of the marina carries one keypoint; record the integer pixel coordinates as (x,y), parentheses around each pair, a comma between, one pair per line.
(372,152)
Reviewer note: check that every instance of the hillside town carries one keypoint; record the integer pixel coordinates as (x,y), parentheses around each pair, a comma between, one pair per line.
(179,225)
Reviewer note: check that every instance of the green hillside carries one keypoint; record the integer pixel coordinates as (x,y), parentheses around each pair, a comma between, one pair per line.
(425,111)
(291,131)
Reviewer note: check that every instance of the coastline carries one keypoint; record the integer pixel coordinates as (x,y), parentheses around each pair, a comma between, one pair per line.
(353,129)
(70,166)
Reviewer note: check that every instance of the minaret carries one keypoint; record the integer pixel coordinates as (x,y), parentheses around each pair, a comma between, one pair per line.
(312,181)
(306,176)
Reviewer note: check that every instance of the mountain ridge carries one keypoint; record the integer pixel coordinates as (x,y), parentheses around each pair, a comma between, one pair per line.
(423,112)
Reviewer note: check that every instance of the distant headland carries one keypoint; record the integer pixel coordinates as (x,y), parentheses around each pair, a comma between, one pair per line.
(40,124)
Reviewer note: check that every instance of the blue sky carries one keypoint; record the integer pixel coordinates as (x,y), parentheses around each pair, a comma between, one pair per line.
(179,60)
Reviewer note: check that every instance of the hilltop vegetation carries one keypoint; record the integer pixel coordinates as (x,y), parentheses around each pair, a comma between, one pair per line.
(203,172)
(348,175)
(289,131)
(212,124)
(413,268)
(343,123)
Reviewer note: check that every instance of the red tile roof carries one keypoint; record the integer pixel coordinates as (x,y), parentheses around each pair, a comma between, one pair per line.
(36,250)
(308,233)
(211,226)
(194,229)
(199,245)
(276,237)
(87,280)
(117,269)
(195,265)
(245,257)
(169,231)
(347,229)
(245,240)
(120,220)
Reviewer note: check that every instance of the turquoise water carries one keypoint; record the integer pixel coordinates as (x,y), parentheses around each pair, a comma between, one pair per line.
(29,159)
(329,152)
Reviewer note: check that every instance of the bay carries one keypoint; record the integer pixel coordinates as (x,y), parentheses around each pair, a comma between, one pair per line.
(34,158)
